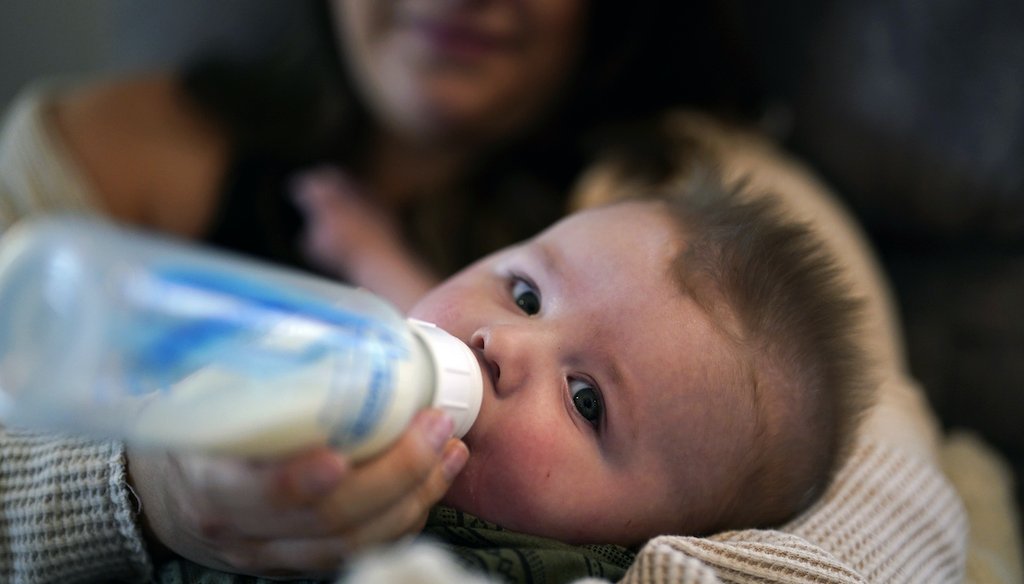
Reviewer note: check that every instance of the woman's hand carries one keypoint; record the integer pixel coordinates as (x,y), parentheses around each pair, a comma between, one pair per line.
(299,517)
(349,235)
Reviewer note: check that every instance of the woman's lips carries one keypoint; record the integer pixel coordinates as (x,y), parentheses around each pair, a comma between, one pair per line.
(461,41)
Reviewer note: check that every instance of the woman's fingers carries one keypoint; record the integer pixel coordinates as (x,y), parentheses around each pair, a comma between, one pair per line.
(305,513)
(317,495)
(398,473)
(308,478)
(305,556)
(409,514)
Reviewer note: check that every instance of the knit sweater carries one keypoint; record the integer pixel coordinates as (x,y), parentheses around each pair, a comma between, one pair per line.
(66,511)
(887,518)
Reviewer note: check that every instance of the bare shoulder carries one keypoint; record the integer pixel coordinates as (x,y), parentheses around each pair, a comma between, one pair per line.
(151,154)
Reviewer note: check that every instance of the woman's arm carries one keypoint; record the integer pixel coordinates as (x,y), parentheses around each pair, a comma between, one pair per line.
(148,153)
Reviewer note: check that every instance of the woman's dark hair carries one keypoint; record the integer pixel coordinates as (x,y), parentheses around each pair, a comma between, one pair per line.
(297,105)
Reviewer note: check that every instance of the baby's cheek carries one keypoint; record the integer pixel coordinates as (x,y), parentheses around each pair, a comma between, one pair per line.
(455,306)
(552,495)
(508,483)
(435,308)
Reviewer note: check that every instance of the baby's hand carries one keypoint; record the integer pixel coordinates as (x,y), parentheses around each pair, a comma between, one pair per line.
(300,517)
(350,236)
(341,223)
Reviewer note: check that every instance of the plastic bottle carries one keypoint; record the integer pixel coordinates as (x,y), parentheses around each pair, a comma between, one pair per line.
(116,333)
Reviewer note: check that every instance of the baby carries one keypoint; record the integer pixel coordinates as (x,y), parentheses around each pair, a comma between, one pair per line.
(679,363)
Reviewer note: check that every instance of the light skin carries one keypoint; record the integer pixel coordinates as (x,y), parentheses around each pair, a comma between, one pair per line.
(459,69)
(609,390)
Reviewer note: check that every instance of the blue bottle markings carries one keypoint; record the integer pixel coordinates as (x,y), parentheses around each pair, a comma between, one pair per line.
(236,312)
(378,397)
(271,299)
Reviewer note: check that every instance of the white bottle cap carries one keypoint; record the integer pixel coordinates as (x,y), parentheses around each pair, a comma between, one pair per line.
(458,381)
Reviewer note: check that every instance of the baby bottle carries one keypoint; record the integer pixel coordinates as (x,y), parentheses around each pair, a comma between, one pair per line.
(115,333)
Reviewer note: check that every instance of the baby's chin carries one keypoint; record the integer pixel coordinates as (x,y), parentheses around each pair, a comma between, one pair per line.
(471,493)
(464,494)
(493,507)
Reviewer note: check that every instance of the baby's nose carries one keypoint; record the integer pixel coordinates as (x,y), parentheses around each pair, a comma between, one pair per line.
(479,342)
(506,351)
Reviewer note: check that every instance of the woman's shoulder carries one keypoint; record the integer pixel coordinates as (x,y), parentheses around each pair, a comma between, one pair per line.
(152,155)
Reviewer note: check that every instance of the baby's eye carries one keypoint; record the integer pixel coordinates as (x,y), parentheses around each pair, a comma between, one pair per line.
(587,400)
(526,297)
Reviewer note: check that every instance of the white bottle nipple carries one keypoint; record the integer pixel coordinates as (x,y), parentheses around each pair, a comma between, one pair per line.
(458,380)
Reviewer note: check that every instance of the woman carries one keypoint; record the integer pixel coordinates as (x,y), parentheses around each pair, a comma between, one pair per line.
(453,128)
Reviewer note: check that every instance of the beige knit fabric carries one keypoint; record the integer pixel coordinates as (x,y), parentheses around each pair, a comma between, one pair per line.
(887,518)
(985,483)
(65,512)
(890,517)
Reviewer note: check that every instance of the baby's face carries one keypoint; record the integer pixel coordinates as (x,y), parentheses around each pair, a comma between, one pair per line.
(609,413)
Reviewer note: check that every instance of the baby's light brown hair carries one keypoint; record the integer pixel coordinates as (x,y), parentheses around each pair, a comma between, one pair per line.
(778,295)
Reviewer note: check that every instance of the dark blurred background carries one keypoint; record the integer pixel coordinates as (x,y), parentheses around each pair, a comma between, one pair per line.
(40,38)
(912,109)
